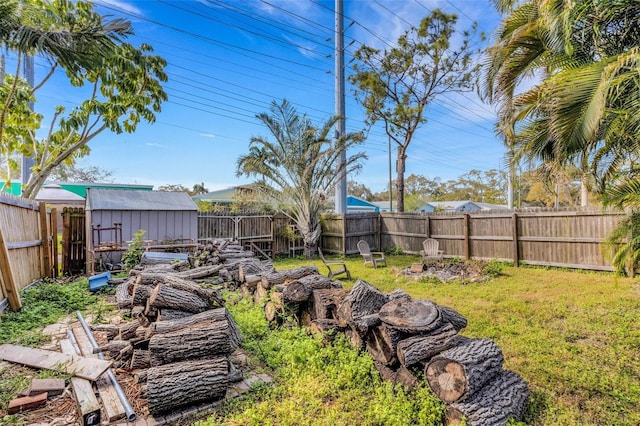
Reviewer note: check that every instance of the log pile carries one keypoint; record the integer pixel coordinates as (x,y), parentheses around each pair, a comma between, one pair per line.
(406,336)
(179,341)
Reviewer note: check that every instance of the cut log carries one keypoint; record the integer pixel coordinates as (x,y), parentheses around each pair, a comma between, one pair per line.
(186,383)
(326,301)
(382,343)
(296,291)
(112,348)
(199,272)
(325,326)
(204,339)
(110,330)
(415,349)
(411,316)
(272,312)
(164,296)
(218,314)
(279,277)
(141,293)
(501,399)
(166,314)
(398,294)
(260,294)
(138,313)
(252,280)
(397,376)
(123,298)
(354,337)
(128,330)
(253,269)
(366,322)
(140,358)
(452,316)
(208,294)
(140,376)
(461,371)
(300,290)
(365,299)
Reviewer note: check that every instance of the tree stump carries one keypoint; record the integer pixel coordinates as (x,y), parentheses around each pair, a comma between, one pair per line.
(411,316)
(457,373)
(504,397)
(422,347)
(186,383)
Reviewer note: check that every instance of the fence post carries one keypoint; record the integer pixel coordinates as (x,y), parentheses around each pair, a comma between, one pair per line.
(427,227)
(44,236)
(54,241)
(6,277)
(344,234)
(465,228)
(516,254)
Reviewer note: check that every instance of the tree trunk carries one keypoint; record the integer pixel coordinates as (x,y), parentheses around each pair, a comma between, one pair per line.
(279,277)
(218,314)
(128,330)
(301,289)
(198,341)
(411,316)
(186,383)
(123,298)
(167,314)
(504,397)
(141,293)
(424,346)
(325,302)
(260,294)
(452,316)
(164,296)
(207,294)
(458,373)
(400,169)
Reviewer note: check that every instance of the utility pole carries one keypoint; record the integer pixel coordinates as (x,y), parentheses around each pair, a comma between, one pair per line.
(28,162)
(341,187)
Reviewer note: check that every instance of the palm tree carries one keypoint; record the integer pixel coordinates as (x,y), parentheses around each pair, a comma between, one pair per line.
(300,167)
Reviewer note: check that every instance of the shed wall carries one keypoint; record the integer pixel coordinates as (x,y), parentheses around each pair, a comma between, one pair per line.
(159,224)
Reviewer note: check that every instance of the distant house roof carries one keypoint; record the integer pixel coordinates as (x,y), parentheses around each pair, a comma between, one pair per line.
(118,199)
(384,205)
(54,193)
(355,204)
(80,188)
(222,196)
(460,206)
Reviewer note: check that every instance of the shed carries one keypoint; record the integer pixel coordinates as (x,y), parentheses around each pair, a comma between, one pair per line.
(113,216)
(56,196)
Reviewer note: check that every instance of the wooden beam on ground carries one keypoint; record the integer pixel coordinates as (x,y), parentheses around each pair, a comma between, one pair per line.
(88,406)
(112,406)
(6,277)
(86,368)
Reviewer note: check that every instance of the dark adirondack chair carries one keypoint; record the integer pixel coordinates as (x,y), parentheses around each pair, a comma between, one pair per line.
(335,267)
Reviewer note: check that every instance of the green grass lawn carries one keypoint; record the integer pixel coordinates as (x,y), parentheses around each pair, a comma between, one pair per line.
(573,336)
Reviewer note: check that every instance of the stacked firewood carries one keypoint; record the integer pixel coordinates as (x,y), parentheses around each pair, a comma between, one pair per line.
(180,338)
(405,336)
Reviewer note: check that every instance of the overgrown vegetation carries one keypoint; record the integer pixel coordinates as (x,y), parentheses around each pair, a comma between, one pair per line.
(316,384)
(42,305)
(132,256)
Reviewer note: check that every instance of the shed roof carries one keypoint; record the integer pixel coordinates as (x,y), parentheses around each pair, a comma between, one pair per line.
(55,193)
(118,199)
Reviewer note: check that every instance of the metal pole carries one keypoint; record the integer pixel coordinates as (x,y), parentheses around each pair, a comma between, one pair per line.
(28,161)
(128,409)
(390,180)
(341,186)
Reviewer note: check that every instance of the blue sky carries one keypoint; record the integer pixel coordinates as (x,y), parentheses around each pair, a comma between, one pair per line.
(229,59)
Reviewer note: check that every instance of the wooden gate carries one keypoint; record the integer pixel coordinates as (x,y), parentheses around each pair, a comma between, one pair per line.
(73,241)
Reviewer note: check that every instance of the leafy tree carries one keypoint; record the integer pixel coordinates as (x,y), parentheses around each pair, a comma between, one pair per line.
(124,83)
(488,187)
(73,173)
(396,85)
(359,190)
(299,167)
(173,188)
(198,188)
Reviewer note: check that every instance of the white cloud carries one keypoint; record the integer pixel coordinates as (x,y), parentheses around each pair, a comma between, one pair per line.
(208,135)
(154,144)
(127,7)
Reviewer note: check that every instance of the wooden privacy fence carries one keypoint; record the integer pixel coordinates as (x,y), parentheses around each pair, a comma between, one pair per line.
(28,246)
(565,238)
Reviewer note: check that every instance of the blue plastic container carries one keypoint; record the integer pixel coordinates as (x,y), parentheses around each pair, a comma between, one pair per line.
(96,282)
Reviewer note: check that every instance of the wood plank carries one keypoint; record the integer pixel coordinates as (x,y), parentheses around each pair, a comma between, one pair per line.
(45,252)
(88,406)
(23,244)
(26,402)
(7,282)
(86,368)
(50,386)
(112,406)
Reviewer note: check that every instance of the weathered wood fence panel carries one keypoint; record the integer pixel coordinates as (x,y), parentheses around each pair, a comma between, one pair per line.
(28,243)
(565,238)
(73,241)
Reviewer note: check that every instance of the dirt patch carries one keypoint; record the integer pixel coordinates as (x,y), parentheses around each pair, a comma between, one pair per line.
(465,271)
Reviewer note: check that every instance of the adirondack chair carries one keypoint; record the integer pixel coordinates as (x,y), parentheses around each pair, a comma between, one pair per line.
(373,258)
(430,250)
(335,267)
